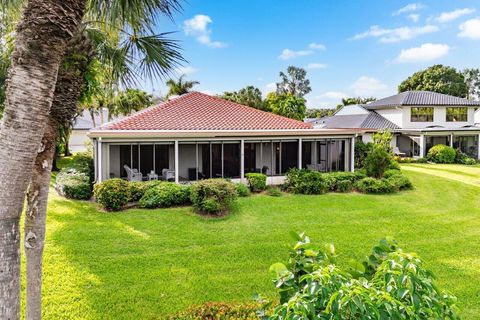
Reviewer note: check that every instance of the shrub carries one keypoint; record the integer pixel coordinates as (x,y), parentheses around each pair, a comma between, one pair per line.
(220,310)
(257,181)
(304,181)
(344,186)
(83,162)
(164,195)
(73,184)
(274,192)
(441,154)
(399,181)
(137,190)
(361,152)
(112,194)
(469,161)
(372,185)
(213,196)
(410,160)
(377,161)
(242,190)
(334,178)
(389,284)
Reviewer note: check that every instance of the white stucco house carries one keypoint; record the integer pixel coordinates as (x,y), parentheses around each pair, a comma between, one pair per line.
(418,119)
(198,136)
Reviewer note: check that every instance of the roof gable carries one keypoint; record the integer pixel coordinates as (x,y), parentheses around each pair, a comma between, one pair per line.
(198,111)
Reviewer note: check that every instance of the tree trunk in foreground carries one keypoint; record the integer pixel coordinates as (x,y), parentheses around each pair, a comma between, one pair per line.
(69,86)
(40,44)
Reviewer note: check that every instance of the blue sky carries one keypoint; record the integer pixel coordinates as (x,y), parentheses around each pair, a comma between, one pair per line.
(349,48)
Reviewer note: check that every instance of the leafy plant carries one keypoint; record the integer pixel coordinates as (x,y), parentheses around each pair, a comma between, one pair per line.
(304,181)
(112,194)
(164,195)
(361,152)
(377,161)
(257,181)
(344,186)
(372,185)
(242,190)
(213,196)
(274,192)
(73,184)
(390,284)
(220,311)
(441,153)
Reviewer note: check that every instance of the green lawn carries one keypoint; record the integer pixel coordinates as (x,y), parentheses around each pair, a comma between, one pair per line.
(145,264)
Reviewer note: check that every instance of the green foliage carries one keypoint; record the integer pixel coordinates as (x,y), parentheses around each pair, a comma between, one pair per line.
(83,162)
(73,184)
(249,96)
(376,186)
(274,192)
(286,105)
(257,181)
(357,100)
(462,158)
(213,196)
(164,195)
(409,160)
(377,161)
(294,82)
(472,79)
(399,181)
(242,190)
(319,113)
(390,284)
(112,194)
(344,186)
(138,188)
(383,139)
(304,181)
(220,311)
(441,154)
(180,86)
(130,100)
(437,78)
(361,152)
(340,181)
(469,161)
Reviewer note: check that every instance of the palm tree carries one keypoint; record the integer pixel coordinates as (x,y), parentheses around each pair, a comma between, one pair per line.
(179,87)
(129,56)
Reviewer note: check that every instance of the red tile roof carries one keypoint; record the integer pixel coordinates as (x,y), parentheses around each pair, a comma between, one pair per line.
(198,111)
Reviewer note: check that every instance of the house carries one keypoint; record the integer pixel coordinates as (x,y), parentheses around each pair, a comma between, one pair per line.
(198,136)
(418,119)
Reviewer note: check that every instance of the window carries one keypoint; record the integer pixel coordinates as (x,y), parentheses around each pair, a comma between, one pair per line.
(457,114)
(421,114)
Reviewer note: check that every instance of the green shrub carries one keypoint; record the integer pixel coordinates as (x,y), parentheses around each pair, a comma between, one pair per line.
(377,161)
(333,178)
(274,192)
(73,184)
(441,154)
(213,196)
(83,162)
(344,186)
(391,172)
(164,195)
(399,181)
(469,161)
(372,185)
(257,181)
(242,190)
(389,284)
(220,311)
(112,194)
(304,181)
(361,152)
(137,190)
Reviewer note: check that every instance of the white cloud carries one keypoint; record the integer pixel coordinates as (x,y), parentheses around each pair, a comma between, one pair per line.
(453,15)
(409,8)
(470,29)
(369,87)
(270,87)
(315,65)
(185,70)
(414,17)
(426,52)
(317,46)
(197,27)
(326,99)
(290,54)
(397,34)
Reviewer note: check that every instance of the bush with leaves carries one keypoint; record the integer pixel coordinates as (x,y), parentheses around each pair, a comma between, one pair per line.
(409,160)
(377,161)
(83,162)
(220,311)
(164,195)
(138,188)
(361,152)
(274,192)
(73,184)
(213,196)
(335,178)
(257,181)
(242,190)
(390,284)
(304,181)
(441,153)
(376,186)
(112,194)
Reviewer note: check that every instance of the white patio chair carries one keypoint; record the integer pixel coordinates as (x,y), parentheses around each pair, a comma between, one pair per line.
(168,174)
(133,174)
(397,152)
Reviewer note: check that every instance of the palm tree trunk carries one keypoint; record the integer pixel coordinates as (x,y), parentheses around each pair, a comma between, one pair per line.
(64,107)
(40,44)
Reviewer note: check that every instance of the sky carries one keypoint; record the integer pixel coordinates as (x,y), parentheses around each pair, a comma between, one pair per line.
(349,48)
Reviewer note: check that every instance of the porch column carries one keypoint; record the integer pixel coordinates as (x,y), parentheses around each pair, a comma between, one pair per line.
(176,162)
(100,169)
(352,155)
(242,160)
(422,146)
(478,147)
(95,159)
(300,153)
(451,140)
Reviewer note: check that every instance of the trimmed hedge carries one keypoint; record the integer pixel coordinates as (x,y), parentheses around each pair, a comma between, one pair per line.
(274,192)
(304,181)
(213,196)
(73,184)
(377,186)
(220,310)
(138,188)
(441,154)
(242,190)
(112,194)
(410,160)
(164,195)
(257,181)
(335,179)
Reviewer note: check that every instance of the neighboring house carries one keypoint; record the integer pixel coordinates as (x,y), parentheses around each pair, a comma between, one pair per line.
(418,119)
(197,136)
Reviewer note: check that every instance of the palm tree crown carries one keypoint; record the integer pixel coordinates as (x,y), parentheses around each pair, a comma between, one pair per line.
(179,87)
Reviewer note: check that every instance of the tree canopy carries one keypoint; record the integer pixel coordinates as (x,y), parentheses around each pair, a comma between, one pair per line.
(472,79)
(249,96)
(356,100)
(179,86)
(286,105)
(437,78)
(294,82)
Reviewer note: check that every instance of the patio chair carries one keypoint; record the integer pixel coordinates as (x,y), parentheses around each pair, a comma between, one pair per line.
(397,152)
(133,174)
(168,174)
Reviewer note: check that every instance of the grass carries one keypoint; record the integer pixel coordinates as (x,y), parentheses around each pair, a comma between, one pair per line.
(150,263)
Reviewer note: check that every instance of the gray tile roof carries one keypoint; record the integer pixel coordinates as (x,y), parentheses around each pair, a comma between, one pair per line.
(372,120)
(420,98)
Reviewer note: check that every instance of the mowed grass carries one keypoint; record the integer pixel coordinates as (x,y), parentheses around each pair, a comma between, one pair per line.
(147,264)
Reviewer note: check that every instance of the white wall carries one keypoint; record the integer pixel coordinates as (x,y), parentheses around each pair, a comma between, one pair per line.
(393,115)
(439,119)
(352,109)
(78,141)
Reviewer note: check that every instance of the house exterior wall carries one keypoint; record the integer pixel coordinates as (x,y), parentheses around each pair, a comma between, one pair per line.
(395,115)
(78,141)
(349,110)
(439,119)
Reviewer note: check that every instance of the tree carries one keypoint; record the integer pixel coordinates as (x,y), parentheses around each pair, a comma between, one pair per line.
(40,43)
(472,79)
(286,105)
(179,87)
(437,78)
(129,101)
(294,82)
(356,100)
(319,113)
(248,96)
